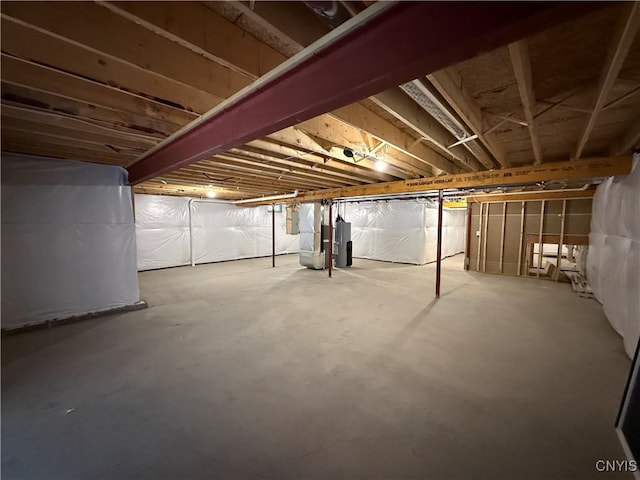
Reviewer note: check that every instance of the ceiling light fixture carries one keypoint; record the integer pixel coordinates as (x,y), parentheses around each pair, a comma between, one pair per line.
(211,194)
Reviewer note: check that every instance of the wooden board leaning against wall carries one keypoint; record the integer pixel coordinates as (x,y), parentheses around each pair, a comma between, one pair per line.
(503,230)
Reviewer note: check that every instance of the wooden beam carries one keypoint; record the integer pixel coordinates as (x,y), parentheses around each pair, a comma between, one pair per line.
(524,196)
(585,169)
(621,42)
(25,41)
(43,139)
(218,39)
(569,239)
(262,150)
(330,128)
(69,138)
(298,141)
(308,85)
(630,140)
(68,119)
(262,162)
(71,131)
(233,175)
(402,107)
(186,190)
(359,117)
(203,31)
(296,178)
(449,84)
(229,176)
(519,52)
(27,74)
(23,96)
(89,25)
(57,151)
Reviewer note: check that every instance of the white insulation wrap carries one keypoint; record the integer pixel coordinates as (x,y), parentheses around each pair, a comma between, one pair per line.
(219,231)
(68,239)
(403,230)
(222,231)
(162,231)
(613,260)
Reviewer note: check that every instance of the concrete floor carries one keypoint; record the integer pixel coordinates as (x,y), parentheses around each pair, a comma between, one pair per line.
(238,370)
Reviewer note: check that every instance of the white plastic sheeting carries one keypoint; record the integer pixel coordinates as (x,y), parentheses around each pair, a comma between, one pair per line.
(613,260)
(220,231)
(162,231)
(403,230)
(68,239)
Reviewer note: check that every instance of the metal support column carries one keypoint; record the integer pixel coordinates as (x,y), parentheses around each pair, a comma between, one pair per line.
(439,249)
(273,236)
(330,237)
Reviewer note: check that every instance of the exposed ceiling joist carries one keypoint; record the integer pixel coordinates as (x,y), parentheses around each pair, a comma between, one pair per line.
(401,165)
(214,37)
(450,85)
(519,52)
(621,42)
(629,141)
(359,117)
(398,104)
(27,41)
(281,101)
(133,43)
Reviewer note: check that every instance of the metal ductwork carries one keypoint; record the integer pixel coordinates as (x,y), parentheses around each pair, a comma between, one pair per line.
(421,94)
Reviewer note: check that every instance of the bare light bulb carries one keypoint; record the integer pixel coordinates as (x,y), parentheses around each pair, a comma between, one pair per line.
(211,194)
(380,165)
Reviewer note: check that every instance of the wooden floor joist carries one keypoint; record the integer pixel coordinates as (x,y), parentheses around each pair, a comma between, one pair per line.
(585,169)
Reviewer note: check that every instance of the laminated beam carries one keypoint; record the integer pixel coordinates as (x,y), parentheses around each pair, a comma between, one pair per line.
(338,69)
(584,169)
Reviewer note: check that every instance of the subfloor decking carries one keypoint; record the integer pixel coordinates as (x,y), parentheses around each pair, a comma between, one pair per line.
(238,370)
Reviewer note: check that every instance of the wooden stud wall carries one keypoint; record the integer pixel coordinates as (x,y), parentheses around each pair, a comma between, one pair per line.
(504,228)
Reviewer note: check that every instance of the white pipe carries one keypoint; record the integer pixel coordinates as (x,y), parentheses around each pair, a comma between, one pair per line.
(193,264)
(263,199)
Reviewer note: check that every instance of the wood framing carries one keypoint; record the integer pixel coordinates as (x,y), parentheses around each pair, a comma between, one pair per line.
(620,45)
(519,52)
(450,85)
(585,169)
(539,195)
(398,104)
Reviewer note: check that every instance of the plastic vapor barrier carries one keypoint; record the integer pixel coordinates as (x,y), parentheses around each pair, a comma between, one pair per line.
(218,231)
(403,230)
(68,239)
(613,260)
(222,231)
(162,231)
